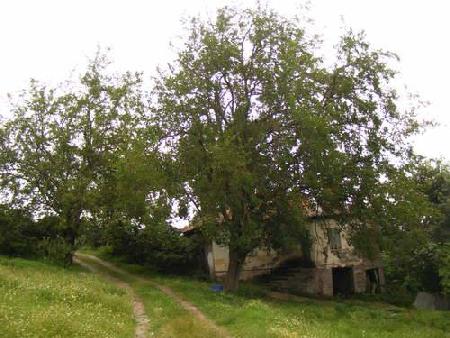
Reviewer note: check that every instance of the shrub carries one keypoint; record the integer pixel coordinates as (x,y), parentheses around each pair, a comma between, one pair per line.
(444,269)
(56,250)
(157,245)
(413,265)
(13,225)
(20,235)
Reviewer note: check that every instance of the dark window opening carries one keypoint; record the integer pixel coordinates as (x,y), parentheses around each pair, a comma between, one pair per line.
(334,238)
(343,281)
(373,281)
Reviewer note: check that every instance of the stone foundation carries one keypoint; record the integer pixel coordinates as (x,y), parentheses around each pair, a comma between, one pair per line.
(319,281)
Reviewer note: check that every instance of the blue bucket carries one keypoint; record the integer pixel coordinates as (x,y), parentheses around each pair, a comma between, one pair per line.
(216,288)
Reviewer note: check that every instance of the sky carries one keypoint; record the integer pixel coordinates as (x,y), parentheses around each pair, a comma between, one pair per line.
(49,39)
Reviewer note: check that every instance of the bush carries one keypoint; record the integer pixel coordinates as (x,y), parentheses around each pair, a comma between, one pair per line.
(444,270)
(14,224)
(22,236)
(413,264)
(156,245)
(56,250)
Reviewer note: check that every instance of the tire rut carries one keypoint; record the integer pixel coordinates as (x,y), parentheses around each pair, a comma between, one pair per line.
(142,321)
(188,306)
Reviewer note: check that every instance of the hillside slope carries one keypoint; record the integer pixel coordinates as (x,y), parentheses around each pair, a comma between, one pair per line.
(43,300)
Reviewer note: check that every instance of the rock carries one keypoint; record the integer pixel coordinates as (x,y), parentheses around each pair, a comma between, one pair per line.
(431,301)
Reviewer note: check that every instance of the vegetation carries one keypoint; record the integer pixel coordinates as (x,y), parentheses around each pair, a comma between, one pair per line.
(20,235)
(245,135)
(250,313)
(159,247)
(66,148)
(263,133)
(247,315)
(168,318)
(416,254)
(444,268)
(42,300)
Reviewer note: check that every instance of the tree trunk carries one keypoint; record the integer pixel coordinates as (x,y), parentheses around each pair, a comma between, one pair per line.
(234,271)
(74,221)
(70,240)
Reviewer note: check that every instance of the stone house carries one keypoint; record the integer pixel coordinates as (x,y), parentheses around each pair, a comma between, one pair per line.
(332,268)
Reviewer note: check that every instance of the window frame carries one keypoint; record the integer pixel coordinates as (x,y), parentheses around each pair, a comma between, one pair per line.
(334,239)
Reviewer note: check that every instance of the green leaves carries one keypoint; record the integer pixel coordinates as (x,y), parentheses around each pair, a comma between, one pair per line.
(65,143)
(444,269)
(257,123)
(247,129)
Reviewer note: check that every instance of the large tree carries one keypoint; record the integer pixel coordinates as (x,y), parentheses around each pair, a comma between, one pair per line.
(62,146)
(259,126)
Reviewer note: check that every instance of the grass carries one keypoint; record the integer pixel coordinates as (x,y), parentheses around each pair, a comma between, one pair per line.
(249,313)
(38,299)
(42,300)
(167,317)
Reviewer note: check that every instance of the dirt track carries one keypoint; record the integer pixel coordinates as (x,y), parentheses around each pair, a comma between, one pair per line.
(142,321)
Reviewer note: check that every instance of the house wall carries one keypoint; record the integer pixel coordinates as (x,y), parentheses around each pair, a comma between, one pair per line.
(264,260)
(322,254)
(326,259)
(324,282)
(259,262)
(317,280)
(210,261)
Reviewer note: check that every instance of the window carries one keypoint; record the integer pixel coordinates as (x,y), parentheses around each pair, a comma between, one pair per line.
(334,238)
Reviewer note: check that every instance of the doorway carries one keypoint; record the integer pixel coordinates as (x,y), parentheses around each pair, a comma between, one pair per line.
(372,281)
(343,281)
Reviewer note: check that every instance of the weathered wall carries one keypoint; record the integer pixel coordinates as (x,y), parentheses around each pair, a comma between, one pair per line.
(361,282)
(304,281)
(210,261)
(318,280)
(359,279)
(321,253)
(220,258)
(324,281)
(264,260)
(326,259)
(257,263)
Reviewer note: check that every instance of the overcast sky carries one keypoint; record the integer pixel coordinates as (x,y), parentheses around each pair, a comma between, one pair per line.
(47,39)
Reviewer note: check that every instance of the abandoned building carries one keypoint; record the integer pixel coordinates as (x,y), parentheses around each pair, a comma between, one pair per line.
(333,268)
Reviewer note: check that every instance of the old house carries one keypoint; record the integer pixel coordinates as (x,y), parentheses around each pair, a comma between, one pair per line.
(332,268)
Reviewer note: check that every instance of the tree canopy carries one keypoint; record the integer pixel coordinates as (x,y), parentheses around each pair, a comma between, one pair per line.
(263,131)
(248,133)
(64,146)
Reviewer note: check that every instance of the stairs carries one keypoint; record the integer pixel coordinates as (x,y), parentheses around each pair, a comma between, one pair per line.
(292,276)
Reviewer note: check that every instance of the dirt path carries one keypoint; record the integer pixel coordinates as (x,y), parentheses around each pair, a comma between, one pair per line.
(195,311)
(142,321)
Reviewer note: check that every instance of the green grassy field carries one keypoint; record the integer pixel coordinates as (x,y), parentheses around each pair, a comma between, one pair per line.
(167,317)
(249,313)
(43,300)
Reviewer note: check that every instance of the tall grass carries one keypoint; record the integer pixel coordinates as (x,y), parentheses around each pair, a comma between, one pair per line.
(42,300)
(249,313)
(167,317)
